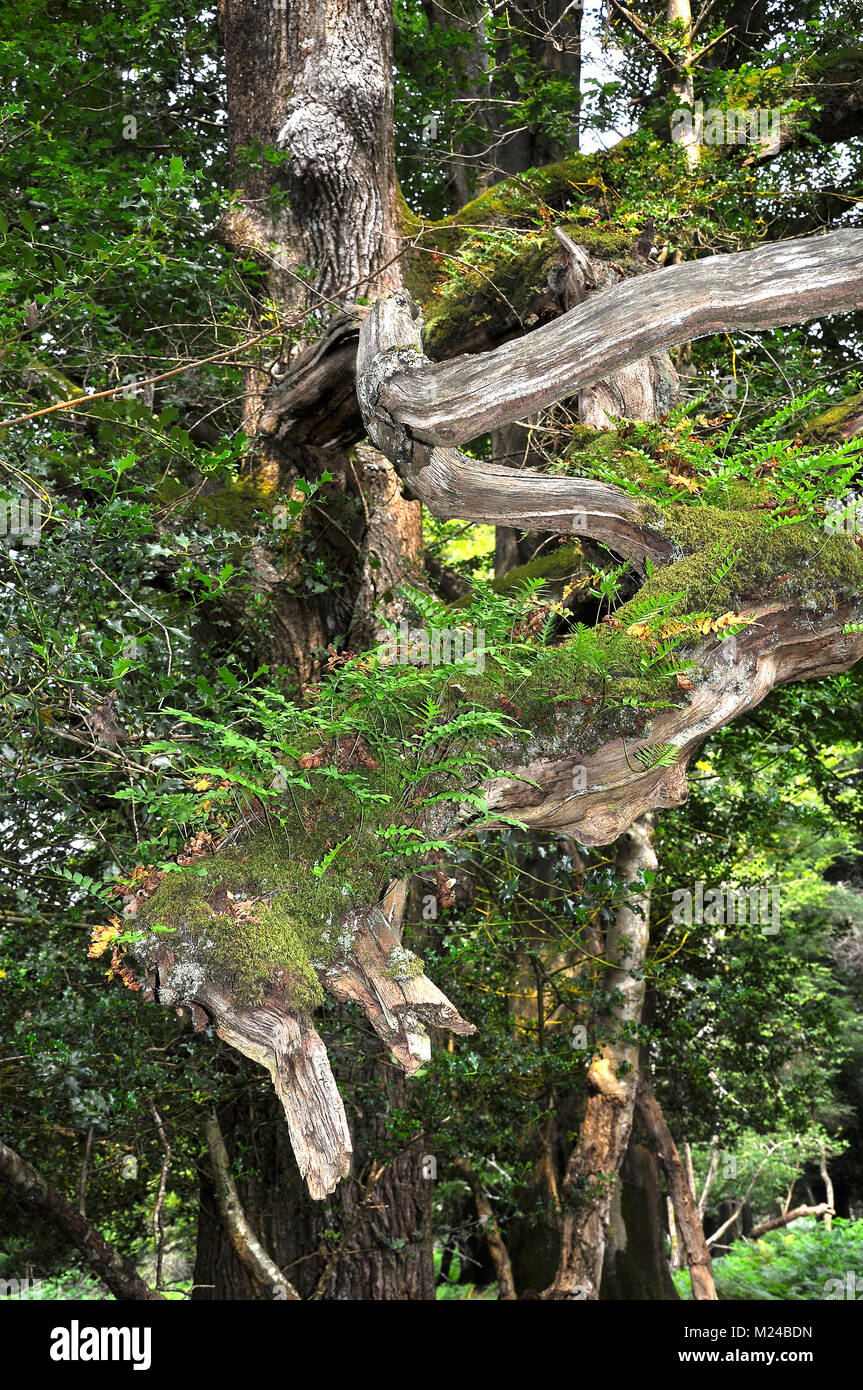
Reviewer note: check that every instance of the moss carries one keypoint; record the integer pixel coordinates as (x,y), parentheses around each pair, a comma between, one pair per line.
(234,508)
(580,186)
(259,912)
(274,908)
(507,279)
(561,563)
(576,180)
(553,566)
(799,561)
(402,964)
(841,421)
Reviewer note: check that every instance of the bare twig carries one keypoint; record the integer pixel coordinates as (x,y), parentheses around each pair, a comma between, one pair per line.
(158,1223)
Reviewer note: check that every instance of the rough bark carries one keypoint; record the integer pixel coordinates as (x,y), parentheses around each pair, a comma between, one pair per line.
(107,1264)
(595,1163)
(447,403)
(687,1219)
(315,81)
(635,1267)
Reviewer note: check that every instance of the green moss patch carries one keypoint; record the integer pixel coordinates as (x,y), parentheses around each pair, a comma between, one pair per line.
(258,913)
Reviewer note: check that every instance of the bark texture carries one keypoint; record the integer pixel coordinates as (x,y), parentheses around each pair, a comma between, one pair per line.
(595,1163)
(315,81)
(447,403)
(687,1219)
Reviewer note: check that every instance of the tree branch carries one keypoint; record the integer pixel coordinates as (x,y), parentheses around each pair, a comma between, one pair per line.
(422,403)
(250,1251)
(681,1190)
(115,1272)
(822,1209)
(496,1243)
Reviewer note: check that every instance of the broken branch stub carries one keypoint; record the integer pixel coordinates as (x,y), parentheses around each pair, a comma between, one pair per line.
(375,973)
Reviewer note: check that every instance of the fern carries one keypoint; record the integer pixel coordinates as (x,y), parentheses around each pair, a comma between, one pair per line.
(657,755)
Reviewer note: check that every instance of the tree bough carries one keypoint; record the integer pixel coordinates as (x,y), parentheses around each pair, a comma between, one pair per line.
(585,760)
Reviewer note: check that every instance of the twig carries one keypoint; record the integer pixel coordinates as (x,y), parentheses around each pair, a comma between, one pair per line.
(82,1185)
(158,1223)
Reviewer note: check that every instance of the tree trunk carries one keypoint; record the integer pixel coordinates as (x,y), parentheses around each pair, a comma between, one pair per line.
(635,1266)
(371,1241)
(595,1163)
(315,82)
(688,1221)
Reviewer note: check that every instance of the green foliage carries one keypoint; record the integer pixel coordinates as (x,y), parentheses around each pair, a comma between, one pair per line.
(795,1264)
(762,1167)
(724,461)
(140,615)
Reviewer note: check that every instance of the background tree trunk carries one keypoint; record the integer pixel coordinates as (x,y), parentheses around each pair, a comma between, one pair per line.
(593,1170)
(636,1264)
(371,1240)
(315,82)
(686,1215)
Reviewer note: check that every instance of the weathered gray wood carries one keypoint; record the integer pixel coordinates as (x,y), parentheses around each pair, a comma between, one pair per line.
(448,403)
(292,1051)
(401,1004)
(783,644)
(401,1010)
(453,485)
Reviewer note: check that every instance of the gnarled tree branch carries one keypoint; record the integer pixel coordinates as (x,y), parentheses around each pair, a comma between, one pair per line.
(107,1263)
(448,403)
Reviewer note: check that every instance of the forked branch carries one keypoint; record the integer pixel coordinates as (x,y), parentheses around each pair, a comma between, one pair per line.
(451,402)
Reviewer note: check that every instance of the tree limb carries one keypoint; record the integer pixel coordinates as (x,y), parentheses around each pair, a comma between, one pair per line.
(115,1272)
(822,1209)
(680,1187)
(496,1243)
(250,1251)
(448,403)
